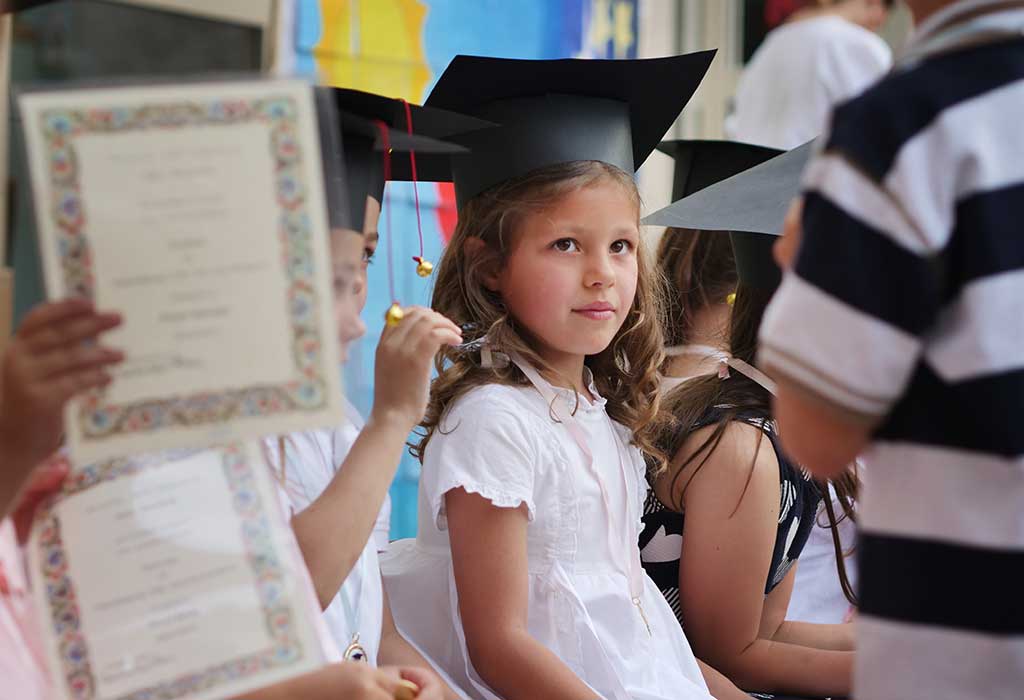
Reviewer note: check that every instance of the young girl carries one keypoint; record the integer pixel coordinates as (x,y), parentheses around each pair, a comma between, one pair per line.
(525,579)
(727,521)
(698,266)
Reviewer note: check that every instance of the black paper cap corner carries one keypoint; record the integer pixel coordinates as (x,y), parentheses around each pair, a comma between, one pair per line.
(559,111)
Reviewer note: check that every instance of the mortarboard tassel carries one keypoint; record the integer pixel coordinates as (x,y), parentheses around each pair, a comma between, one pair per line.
(394,314)
(424,268)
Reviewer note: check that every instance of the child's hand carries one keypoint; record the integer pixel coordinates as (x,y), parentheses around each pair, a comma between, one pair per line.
(51,358)
(45,481)
(430,686)
(788,244)
(404,358)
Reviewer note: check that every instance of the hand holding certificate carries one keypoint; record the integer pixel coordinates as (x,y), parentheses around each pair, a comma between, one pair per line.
(173,576)
(196,212)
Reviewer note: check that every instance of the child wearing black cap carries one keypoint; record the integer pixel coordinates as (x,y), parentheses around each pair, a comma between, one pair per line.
(727,522)
(336,480)
(525,579)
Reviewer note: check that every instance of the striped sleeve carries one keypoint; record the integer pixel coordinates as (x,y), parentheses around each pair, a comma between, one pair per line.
(847,323)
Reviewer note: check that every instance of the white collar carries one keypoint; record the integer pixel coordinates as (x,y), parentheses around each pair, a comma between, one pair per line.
(931,35)
(572,397)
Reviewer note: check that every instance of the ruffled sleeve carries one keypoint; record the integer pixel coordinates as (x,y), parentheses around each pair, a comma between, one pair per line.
(485,446)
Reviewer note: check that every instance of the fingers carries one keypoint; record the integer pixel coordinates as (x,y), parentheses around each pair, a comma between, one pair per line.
(420,322)
(68,330)
(54,312)
(409,682)
(62,388)
(430,686)
(414,315)
(75,359)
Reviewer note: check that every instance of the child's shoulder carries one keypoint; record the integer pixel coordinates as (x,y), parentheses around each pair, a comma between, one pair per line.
(496,398)
(512,412)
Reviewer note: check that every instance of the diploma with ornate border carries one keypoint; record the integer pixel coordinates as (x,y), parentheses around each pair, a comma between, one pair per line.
(197,211)
(173,576)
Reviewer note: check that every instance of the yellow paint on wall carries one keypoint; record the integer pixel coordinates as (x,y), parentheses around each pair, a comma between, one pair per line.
(374,45)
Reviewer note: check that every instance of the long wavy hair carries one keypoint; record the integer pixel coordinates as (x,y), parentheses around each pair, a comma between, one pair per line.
(625,373)
(686,406)
(699,271)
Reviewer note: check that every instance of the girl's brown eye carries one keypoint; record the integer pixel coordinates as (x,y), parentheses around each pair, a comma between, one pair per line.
(622,246)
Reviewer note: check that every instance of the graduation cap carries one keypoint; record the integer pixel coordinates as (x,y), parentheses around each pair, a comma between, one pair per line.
(702,163)
(558,111)
(365,145)
(339,215)
(751,206)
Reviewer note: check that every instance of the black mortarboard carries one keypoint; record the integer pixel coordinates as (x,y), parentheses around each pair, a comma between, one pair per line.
(558,111)
(703,163)
(364,154)
(751,206)
(364,144)
(339,215)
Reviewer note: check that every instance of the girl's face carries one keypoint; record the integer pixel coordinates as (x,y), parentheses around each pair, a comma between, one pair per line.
(351,254)
(346,266)
(571,275)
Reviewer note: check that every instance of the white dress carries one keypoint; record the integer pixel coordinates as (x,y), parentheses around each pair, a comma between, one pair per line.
(312,460)
(798,74)
(502,443)
(817,593)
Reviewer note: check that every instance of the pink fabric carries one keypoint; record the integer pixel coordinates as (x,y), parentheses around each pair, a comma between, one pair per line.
(22,659)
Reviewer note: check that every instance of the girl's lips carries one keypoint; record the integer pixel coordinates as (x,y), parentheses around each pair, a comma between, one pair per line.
(596,314)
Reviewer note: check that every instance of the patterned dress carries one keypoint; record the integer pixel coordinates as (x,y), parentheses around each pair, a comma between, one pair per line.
(662,534)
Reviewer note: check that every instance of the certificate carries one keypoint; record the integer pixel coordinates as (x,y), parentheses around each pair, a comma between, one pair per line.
(173,577)
(196,211)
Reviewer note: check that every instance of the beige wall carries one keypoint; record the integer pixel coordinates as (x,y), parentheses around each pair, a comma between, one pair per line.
(682,26)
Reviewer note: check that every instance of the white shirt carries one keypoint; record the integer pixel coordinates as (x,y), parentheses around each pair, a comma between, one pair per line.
(800,72)
(817,592)
(344,436)
(312,459)
(500,442)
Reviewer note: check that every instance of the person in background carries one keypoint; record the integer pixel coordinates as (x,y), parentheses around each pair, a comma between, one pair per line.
(822,53)
(897,335)
(698,266)
(336,480)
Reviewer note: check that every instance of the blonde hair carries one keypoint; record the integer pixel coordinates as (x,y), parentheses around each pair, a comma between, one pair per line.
(625,373)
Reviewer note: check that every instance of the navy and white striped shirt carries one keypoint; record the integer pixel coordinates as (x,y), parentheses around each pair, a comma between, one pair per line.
(905,309)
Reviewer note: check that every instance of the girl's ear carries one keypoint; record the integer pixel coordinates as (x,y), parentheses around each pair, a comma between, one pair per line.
(478,253)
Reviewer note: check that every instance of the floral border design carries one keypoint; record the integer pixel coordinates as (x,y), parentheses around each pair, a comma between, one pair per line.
(267,569)
(307,389)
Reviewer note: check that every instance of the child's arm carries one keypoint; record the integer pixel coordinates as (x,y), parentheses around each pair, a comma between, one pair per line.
(489,556)
(732,511)
(334,529)
(52,357)
(817,435)
(838,637)
(395,650)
